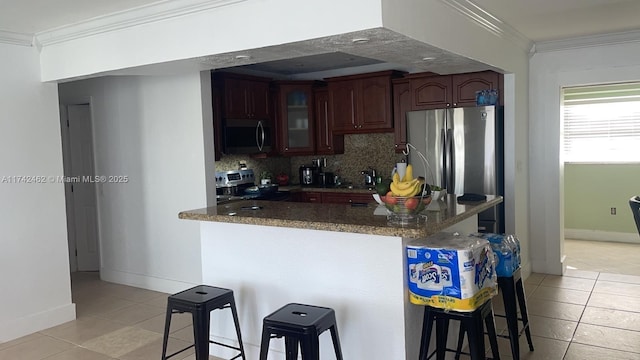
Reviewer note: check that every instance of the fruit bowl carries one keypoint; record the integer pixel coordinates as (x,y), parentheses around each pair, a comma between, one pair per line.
(438,194)
(403,210)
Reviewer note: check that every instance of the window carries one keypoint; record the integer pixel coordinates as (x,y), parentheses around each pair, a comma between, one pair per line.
(602,123)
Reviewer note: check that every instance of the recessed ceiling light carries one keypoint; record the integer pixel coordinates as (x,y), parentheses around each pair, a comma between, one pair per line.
(242,57)
(360,40)
(428,58)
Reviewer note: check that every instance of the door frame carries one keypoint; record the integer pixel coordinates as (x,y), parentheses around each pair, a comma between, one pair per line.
(66,155)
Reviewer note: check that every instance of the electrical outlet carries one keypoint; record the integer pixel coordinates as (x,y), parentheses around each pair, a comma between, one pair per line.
(613,211)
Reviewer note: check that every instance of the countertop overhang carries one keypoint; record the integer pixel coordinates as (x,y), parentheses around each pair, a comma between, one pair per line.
(339,217)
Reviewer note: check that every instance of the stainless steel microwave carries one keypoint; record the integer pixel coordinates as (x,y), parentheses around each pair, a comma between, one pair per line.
(247,136)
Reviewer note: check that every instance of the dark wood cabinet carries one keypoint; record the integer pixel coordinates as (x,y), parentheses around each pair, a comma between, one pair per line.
(245,97)
(327,142)
(431,91)
(426,91)
(361,103)
(465,86)
(343,105)
(295,120)
(330,197)
(401,105)
(306,196)
(346,198)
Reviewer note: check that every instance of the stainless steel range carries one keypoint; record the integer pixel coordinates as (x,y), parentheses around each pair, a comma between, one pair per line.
(234,182)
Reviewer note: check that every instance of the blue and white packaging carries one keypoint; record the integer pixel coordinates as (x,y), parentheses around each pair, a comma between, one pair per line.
(451,271)
(507,250)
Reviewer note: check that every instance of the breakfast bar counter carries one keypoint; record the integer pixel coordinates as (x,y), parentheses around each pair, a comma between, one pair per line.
(333,255)
(339,217)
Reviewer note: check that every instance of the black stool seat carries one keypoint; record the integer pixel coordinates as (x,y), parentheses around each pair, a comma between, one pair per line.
(472,322)
(301,325)
(200,301)
(512,289)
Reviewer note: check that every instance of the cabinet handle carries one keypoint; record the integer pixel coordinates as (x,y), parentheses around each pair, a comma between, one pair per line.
(326,122)
(353,110)
(454,104)
(448,105)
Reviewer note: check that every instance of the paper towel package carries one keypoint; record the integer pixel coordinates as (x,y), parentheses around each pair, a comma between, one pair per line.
(450,271)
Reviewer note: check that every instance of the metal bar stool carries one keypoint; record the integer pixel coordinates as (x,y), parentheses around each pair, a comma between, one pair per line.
(512,290)
(300,325)
(472,322)
(200,301)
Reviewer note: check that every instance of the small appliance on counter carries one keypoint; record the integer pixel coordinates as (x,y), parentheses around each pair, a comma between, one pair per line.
(308,175)
(325,179)
(234,182)
(240,185)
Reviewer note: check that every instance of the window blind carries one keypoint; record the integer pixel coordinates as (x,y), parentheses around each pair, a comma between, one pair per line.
(602,123)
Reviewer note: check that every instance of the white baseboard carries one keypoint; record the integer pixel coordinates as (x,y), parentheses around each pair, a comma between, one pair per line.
(581,234)
(32,323)
(143,281)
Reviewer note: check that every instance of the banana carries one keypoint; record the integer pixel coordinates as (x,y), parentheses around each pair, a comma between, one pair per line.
(405,188)
(396,177)
(408,175)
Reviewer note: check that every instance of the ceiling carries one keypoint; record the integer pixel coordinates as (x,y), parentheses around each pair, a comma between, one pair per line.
(537,20)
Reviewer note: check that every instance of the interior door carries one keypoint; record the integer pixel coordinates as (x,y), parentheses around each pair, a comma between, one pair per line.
(82,193)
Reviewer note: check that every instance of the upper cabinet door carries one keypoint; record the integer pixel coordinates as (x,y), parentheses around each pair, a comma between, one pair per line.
(296,122)
(361,103)
(375,104)
(246,98)
(327,142)
(258,99)
(431,93)
(343,106)
(401,105)
(465,86)
(235,99)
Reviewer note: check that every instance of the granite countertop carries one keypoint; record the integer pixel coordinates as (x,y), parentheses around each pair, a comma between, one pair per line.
(341,189)
(339,217)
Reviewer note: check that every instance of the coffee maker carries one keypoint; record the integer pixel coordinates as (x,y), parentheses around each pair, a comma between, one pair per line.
(308,175)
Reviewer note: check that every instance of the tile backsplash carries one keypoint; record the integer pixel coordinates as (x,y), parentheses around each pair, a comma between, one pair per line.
(361,152)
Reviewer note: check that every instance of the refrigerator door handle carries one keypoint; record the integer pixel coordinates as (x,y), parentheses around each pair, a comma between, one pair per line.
(451,166)
(444,159)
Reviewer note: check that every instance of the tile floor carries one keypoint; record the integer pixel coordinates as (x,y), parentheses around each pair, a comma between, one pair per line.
(584,315)
(587,255)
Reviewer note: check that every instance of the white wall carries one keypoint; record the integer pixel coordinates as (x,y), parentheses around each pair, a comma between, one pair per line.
(550,71)
(34,265)
(237,26)
(439,24)
(151,130)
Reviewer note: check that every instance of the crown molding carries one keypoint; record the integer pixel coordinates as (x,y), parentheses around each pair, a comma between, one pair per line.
(588,41)
(490,23)
(132,17)
(13,38)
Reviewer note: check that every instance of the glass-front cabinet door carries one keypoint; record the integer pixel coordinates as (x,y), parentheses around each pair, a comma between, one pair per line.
(296,118)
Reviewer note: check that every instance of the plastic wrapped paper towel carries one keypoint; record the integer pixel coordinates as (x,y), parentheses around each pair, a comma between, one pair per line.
(450,271)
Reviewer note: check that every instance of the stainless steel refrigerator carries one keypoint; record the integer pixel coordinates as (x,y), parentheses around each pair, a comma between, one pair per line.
(464,151)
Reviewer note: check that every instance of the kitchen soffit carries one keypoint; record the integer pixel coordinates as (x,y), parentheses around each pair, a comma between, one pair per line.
(340,55)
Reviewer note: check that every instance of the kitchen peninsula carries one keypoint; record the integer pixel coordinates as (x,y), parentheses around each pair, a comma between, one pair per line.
(334,255)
